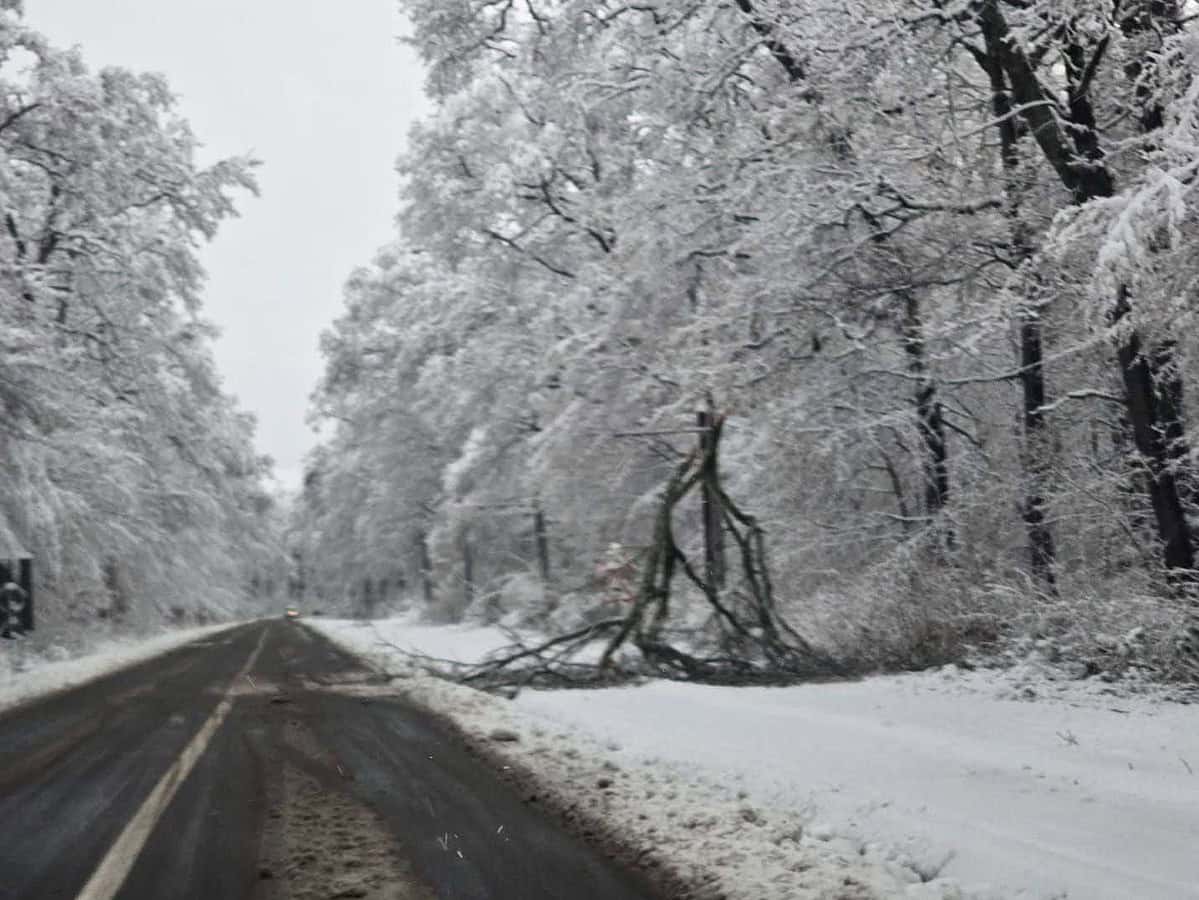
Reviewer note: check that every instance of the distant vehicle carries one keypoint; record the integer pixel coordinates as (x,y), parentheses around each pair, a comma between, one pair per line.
(292,613)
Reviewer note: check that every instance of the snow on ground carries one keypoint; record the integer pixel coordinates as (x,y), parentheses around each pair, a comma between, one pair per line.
(456,643)
(26,674)
(1022,779)
(665,772)
(1064,797)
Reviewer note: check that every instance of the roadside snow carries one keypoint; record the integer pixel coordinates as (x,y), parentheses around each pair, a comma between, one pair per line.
(1081,796)
(26,675)
(663,771)
(455,643)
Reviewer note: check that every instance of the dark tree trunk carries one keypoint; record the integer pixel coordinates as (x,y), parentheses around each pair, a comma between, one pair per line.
(1042,550)
(1153,374)
(929,421)
(25,579)
(426,568)
(468,571)
(1152,393)
(1041,547)
(1144,404)
(1169,397)
(710,511)
(541,537)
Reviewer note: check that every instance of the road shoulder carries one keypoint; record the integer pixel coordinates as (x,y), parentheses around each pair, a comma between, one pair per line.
(38,678)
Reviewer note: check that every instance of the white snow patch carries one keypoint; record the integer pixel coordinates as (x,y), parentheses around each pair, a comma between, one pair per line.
(1084,795)
(692,796)
(455,643)
(25,676)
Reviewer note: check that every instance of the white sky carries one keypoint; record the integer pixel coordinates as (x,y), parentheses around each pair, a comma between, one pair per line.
(323,94)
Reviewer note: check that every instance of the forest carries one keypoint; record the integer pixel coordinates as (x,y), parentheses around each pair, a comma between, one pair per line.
(758,463)
(925,267)
(865,326)
(129,476)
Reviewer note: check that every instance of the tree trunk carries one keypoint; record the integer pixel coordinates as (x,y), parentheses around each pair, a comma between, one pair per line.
(543,545)
(935,462)
(714,562)
(426,568)
(468,571)
(1143,400)
(1042,550)
(1153,376)
(1169,397)
(1151,391)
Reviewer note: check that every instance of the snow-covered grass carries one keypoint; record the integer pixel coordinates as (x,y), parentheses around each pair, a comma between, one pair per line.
(1013,781)
(26,674)
(723,786)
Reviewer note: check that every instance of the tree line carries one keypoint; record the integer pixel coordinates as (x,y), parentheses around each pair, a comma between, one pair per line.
(128,474)
(933,261)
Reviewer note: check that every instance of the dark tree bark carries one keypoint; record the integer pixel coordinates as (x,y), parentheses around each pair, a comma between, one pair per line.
(1170,416)
(1154,20)
(1042,549)
(468,571)
(426,568)
(710,512)
(1076,157)
(1144,406)
(541,537)
(1041,546)
(929,417)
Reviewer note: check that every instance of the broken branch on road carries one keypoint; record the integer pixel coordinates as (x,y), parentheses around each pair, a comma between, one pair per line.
(745,639)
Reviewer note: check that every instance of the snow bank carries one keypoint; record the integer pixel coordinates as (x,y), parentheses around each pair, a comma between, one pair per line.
(686,806)
(456,643)
(26,675)
(1086,795)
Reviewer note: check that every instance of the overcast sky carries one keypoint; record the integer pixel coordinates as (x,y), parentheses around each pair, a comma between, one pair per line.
(323,94)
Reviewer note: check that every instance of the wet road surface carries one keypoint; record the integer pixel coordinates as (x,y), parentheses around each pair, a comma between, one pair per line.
(232,768)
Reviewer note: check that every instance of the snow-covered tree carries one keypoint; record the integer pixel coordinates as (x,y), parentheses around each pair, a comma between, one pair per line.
(129,474)
(929,257)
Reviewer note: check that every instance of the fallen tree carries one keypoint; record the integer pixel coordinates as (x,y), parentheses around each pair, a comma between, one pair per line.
(744,640)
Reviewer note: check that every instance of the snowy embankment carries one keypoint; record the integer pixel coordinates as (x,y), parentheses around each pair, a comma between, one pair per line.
(26,675)
(1080,795)
(761,794)
(984,784)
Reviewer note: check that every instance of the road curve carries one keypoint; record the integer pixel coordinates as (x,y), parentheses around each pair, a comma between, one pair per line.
(225,770)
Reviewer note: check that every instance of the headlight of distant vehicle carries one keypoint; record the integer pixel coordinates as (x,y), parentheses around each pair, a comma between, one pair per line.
(293,614)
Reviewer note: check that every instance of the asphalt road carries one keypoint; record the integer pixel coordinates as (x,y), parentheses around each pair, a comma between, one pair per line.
(227,770)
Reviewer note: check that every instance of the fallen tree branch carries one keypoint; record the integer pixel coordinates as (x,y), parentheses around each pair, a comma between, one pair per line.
(745,640)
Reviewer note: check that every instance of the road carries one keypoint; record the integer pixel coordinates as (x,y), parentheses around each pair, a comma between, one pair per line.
(233,768)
